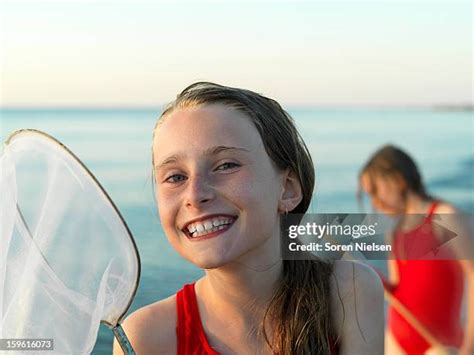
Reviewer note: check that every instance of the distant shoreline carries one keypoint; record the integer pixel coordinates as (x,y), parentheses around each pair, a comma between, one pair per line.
(467,107)
(158,108)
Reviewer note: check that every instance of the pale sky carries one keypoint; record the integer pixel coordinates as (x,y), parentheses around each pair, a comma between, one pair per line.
(73,53)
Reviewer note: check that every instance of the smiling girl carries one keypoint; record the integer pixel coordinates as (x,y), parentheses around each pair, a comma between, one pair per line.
(227,164)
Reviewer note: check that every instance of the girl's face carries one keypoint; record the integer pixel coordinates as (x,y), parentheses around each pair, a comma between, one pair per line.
(386,193)
(217,190)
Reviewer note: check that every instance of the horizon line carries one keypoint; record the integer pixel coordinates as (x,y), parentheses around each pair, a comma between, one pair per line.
(464,106)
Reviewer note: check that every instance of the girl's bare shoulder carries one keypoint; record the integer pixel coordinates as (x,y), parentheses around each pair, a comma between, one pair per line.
(357,306)
(351,278)
(446,208)
(152,329)
(345,271)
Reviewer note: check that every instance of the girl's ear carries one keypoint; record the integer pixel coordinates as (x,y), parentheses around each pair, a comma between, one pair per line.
(291,193)
(366,183)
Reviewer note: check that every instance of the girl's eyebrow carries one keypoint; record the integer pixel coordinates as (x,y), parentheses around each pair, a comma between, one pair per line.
(208,152)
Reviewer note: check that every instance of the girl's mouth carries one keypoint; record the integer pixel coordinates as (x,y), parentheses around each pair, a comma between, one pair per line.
(209,227)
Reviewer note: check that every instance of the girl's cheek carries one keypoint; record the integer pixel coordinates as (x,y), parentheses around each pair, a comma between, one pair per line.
(166,201)
(241,185)
(166,194)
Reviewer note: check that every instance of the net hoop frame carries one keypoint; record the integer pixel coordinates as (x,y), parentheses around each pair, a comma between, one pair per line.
(89,174)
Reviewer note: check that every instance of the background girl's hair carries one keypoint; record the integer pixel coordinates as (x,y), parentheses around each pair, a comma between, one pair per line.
(300,308)
(390,161)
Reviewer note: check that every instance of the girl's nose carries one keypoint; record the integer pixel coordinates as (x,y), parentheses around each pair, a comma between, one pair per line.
(199,191)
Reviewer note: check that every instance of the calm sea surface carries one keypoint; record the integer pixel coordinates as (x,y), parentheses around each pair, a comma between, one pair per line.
(116,146)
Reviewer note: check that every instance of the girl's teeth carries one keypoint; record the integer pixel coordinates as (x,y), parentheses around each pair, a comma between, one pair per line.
(204,232)
(211,225)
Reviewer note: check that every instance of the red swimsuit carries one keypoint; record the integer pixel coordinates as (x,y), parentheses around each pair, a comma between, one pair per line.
(431,289)
(191,337)
(189,330)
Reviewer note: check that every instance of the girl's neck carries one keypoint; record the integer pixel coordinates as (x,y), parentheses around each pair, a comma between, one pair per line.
(241,290)
(416,204)
(244,286)
(240,287)
(232,302)
(234,297)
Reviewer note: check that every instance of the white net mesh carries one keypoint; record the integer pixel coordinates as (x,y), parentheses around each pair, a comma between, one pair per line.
(67,260)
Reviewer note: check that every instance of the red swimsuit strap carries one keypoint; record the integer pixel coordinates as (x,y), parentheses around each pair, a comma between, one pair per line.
(429,214)
(191,337)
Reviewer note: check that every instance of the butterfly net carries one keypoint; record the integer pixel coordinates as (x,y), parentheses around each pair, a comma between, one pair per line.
(67,258)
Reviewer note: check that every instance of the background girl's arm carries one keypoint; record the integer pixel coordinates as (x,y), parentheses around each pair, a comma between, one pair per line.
(358,308)
(462,245)
(392,266)
(391,281)
(468,343)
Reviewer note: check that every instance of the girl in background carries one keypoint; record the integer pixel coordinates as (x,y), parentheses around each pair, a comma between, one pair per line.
(228,163)
(431,290)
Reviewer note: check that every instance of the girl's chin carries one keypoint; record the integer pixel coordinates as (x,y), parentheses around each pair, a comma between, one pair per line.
(389,210)
(392,212)
(210,265)
(208,262)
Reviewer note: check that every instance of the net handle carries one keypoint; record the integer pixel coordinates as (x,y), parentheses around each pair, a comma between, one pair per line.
(123,340)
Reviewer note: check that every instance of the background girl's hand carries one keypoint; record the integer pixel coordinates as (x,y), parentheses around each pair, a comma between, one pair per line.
(466,350)
(442,350)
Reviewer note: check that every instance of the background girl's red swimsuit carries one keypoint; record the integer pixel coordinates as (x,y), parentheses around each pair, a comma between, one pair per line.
(431,289)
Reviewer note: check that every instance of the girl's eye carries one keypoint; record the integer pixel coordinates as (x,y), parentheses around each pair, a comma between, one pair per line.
(227,166)
(175,178)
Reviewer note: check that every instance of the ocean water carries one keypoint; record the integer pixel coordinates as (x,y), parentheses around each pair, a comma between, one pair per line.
(116,147)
